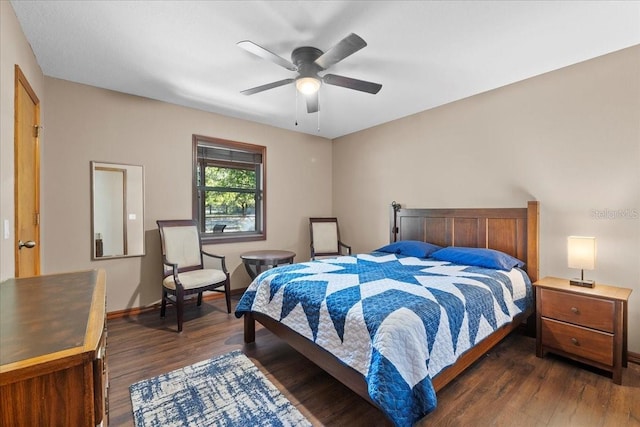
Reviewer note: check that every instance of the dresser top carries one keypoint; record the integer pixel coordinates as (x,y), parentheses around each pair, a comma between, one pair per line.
(599,290)
(47,314)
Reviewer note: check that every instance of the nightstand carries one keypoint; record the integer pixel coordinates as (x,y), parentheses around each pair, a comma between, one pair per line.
(588,325)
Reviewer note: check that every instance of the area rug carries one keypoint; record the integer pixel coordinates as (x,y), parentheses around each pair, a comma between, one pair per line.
(227,390)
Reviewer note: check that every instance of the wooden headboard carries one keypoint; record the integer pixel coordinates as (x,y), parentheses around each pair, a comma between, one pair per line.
(510,230)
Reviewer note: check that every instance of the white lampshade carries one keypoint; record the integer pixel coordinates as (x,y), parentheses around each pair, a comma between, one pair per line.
(581,252)
(308,85)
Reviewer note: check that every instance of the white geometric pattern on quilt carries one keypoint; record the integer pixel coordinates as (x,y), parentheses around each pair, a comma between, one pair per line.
(397,320)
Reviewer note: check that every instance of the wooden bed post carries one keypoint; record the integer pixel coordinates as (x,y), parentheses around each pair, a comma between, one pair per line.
(249,328)
(533,246)
(395,207)
(533,218)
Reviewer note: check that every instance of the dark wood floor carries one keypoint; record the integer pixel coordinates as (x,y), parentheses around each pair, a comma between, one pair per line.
(508,387)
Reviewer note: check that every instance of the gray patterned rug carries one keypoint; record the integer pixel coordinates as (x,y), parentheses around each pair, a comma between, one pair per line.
(227,390)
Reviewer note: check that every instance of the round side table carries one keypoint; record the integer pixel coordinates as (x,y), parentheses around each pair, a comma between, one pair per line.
(256,261)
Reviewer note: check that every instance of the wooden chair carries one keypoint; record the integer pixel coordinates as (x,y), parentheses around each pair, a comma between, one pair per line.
(183,267)
(325,238)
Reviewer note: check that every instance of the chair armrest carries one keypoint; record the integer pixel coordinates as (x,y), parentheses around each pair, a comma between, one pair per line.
(344,245)
(174,268)
(222,259)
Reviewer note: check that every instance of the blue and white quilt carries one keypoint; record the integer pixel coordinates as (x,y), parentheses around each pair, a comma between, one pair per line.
(397,320)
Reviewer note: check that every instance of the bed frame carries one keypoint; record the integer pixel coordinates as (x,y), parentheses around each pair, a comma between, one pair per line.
(510,230)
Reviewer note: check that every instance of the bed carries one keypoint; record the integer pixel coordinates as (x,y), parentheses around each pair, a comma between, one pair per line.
(337,330)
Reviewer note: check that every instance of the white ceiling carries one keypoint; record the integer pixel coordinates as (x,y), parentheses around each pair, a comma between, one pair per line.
(424,54)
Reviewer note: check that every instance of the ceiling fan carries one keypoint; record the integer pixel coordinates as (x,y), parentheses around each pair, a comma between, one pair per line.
(308,62)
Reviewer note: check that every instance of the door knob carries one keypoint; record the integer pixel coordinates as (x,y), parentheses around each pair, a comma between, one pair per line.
(28,244)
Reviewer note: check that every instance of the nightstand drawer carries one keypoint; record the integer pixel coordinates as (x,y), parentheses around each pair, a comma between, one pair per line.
(580,310)
(583,342)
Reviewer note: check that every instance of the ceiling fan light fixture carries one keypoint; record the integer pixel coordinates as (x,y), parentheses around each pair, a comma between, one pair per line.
(308,85)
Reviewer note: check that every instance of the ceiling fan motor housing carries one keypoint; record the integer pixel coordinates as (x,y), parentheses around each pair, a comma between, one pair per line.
(303,58)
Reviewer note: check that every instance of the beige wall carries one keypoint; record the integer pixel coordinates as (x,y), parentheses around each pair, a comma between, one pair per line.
(14,49)
(85,123)
(570,139)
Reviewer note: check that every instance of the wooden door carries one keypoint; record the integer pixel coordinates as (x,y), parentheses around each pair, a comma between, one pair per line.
(27,178)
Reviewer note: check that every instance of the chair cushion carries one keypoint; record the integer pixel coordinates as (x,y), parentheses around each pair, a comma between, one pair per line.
(195,279)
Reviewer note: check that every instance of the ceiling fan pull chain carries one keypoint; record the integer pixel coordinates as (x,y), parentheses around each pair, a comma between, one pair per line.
(296,106)
(318,112)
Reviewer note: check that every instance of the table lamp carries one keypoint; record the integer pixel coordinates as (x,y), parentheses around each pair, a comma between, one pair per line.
(581,252)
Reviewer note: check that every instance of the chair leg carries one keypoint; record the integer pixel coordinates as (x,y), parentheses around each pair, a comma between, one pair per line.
(227,294)
(163,306)
(199,299)
(180,309)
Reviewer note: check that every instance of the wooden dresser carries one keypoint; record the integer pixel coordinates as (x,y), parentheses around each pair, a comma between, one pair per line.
(53,369)
(585,324)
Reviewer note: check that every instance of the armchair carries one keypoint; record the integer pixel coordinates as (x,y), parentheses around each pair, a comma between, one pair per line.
(325,238)
(183,269)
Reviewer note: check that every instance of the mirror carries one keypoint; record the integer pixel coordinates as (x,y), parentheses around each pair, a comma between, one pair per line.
(117,210)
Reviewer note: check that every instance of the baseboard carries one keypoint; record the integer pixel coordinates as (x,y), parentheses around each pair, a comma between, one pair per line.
(633,357)
(134,311)
(128,312)
(238,291)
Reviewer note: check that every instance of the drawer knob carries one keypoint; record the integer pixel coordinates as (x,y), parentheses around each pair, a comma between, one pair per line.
(575,310)
(575,341)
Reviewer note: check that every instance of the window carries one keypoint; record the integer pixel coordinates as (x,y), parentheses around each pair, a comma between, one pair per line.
(229,190)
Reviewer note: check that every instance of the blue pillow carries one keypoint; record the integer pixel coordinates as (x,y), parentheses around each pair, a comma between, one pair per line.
(479,257)
(410,248)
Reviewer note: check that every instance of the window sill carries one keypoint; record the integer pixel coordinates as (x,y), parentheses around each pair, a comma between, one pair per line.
(229,238)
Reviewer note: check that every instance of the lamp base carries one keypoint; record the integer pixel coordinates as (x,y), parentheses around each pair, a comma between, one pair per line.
(582,282)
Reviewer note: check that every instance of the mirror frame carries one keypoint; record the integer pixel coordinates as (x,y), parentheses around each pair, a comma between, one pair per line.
(129,189)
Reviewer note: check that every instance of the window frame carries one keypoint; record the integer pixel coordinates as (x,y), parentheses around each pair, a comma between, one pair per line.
(209,238)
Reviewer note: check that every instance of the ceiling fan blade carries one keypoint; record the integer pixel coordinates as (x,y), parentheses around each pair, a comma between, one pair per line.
(263,53)
(349,83)
(312,103)
(347,46)
(267,86)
